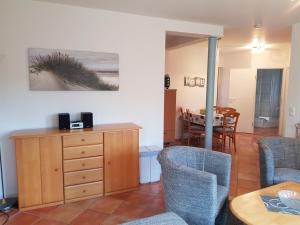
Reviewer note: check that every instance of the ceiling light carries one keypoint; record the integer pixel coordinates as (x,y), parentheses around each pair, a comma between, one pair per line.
(259,47)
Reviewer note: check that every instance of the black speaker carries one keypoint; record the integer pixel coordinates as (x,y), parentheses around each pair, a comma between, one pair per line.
(64,121)
(87,119)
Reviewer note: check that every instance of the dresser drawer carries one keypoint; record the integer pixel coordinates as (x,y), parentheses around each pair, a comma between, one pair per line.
(82,139)
(83,164)
(81,177)
(83,151)
(83,190)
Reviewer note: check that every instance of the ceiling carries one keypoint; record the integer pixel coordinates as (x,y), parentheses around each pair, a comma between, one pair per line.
(237,16)
(176,40)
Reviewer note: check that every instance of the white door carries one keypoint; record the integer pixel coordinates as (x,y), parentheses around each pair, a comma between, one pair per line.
(242,89)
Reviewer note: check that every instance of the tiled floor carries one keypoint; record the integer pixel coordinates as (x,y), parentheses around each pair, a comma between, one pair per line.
(146,201)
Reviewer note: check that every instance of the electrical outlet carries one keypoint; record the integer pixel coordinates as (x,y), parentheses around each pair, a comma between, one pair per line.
(292,111)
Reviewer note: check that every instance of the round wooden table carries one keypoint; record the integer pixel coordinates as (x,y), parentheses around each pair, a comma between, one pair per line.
(250,209)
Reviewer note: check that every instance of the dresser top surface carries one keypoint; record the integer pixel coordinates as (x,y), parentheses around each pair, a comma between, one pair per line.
(57,132)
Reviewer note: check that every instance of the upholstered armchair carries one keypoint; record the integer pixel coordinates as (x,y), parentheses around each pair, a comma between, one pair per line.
(196,184)
(279,160)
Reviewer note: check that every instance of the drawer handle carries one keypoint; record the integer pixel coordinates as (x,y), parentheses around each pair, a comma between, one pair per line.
(83,164)
(82,139)
(83,177)
(56,169)
(83,152)
(83,191)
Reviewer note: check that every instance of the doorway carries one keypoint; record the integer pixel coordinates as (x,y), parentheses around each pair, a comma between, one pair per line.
(267,101)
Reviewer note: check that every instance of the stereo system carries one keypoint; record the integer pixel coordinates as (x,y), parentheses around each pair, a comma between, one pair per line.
(87,119)
(65,123)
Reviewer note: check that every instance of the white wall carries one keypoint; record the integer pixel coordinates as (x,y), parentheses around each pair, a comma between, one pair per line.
(140,42)
(249,62)
(188,60)
(293,84)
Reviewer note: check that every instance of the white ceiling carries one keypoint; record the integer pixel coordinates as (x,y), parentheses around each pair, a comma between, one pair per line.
(238,16)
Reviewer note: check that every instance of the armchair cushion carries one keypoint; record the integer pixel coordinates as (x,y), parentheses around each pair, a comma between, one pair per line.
(286,174)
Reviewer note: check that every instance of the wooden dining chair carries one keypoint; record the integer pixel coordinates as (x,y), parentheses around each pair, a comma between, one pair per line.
(217,109)
(227,109)
(190,130)
(230,121)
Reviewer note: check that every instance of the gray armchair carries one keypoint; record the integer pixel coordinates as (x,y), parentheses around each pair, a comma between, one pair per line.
(196,184)
(279,160)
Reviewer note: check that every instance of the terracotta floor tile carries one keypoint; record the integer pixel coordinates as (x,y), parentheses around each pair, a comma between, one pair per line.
(22,219)
(65,213)
(84,204)
(115,219)
(140,199)
(154,188)
(42,212)
(89,217)
(122,196)
(48,222)
(131,211)
(106,205)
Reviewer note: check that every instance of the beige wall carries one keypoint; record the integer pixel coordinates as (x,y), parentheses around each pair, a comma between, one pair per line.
(188,60)
(293,94)
(246,62)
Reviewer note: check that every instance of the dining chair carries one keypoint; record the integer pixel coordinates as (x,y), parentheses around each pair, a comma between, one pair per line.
(227,109)
(230,121)
(190,130)
(217,109)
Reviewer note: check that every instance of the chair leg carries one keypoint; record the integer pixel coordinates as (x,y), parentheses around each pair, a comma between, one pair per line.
(223,143)
(234,142)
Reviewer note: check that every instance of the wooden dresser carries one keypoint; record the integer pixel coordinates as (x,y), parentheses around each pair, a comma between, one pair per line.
(169,115)
(55,167)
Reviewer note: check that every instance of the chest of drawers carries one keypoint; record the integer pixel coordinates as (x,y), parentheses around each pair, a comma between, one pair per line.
(55,167)
(83,166)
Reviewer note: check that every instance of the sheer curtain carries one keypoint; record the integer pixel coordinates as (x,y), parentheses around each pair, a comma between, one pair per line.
(268,91)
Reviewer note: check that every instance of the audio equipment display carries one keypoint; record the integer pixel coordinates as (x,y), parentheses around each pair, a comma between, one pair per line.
(64,121)
(76,125)
(87,119)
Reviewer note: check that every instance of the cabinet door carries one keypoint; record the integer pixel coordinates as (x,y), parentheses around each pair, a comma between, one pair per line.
(51,169)
(121,155)
(169,115)
(29,172)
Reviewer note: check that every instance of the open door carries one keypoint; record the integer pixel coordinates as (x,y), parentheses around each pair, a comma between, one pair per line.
(242,88)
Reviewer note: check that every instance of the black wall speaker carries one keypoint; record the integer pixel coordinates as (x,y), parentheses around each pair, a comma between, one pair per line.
(87,119)
(64,121)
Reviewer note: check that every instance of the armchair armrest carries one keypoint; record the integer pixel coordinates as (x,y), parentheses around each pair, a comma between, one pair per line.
(220,165)
(267,165)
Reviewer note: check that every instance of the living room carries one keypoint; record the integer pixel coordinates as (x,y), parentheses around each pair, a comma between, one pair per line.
(127,114)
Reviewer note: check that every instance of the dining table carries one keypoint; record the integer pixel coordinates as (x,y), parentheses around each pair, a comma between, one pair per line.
(264,207)
(200,119)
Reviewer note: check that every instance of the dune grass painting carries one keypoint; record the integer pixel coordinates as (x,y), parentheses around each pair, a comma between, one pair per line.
(70,70)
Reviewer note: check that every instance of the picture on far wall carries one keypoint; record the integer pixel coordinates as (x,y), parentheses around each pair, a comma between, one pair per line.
(72,70)
(194,81)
